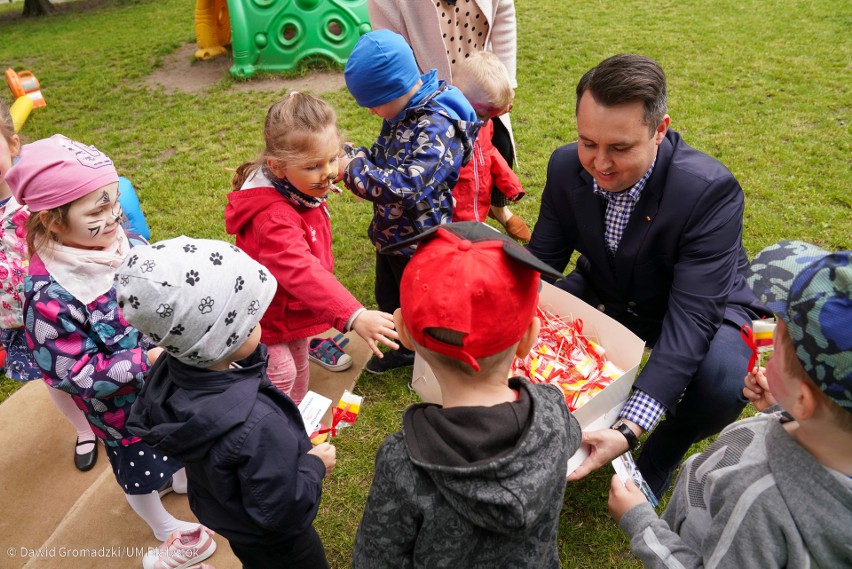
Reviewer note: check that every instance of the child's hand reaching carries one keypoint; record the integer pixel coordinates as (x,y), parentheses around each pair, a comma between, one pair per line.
(327,453)
(757,391)
(347,153)
(375,326)
(623,497)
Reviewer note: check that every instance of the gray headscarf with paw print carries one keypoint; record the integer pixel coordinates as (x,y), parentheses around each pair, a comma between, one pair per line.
(199,299)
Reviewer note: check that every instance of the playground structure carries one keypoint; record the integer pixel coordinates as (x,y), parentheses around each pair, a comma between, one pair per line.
(27,94)
(275,35)
(20,111)
(212,28)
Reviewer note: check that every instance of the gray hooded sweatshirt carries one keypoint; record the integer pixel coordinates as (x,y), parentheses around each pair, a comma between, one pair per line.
(471,487)
(755,499)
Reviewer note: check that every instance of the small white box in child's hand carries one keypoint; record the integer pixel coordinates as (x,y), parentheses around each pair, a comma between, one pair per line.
(623,348)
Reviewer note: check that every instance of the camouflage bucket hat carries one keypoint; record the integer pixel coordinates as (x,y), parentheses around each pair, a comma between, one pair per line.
(811,289)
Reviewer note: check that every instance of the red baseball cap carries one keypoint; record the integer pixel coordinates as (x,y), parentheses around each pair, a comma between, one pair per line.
(472,279)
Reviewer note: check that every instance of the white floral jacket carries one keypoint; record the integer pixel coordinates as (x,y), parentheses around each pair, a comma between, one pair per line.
(13,262)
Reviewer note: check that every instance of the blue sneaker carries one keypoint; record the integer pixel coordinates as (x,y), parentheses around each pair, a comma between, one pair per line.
(328,352)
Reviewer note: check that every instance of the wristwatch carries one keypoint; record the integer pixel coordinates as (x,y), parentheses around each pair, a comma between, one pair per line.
(632,439)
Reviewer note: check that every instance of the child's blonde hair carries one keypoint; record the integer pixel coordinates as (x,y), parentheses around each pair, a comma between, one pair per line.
(7,127)
(289,131)
(487,364)
(484,81)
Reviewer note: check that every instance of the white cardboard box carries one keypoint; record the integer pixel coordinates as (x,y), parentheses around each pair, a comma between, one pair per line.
(622,347)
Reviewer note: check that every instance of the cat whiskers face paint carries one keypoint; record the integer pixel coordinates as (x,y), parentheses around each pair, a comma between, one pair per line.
(95,230)
(117,212)
(112,219)
(93,220)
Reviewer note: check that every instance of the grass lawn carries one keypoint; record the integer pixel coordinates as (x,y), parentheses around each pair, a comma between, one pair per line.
(763,85)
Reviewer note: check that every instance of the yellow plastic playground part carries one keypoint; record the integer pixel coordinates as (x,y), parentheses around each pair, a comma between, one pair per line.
(20,110)
(212,28)
(275,35)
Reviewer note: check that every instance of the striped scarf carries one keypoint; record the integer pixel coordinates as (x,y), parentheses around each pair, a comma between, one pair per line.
(291,194)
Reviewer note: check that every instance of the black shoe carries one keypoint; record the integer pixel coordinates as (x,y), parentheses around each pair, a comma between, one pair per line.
(85,462)
(393,359)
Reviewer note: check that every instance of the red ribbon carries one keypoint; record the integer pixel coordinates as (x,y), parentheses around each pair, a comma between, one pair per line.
(577,329)
(748,337)
(337,415)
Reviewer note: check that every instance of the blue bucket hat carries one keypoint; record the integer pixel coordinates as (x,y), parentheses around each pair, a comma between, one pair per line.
(380,68)
(811,290)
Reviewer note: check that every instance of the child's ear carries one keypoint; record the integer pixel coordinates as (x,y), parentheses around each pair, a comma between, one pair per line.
(52,225)
(806,401)
(277,167)
(44,218)
(15,146)
(529,337)
(401,330)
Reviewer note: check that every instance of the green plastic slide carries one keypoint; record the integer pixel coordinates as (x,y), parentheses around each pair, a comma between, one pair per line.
(274,35)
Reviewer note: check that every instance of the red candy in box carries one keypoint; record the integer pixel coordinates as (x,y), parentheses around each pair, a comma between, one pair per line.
(567,358)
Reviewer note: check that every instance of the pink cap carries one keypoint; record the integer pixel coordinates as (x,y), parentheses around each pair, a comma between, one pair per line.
(55,171)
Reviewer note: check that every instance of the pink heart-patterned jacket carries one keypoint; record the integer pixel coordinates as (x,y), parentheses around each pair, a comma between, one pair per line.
(87,350)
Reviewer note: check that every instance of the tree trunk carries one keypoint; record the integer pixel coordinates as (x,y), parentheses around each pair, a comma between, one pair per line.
(38,8)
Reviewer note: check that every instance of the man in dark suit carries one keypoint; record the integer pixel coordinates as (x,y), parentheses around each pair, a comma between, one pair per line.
(658,226)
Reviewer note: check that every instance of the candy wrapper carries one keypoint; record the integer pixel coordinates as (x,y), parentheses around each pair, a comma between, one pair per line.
(760,339)
(347,410)
(342,416)
(565,357)
(626,469)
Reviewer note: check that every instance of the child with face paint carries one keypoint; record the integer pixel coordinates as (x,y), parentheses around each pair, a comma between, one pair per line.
(78,336)
(19,364)
(278,212)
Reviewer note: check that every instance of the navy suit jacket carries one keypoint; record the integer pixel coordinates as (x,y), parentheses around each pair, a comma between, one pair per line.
(678,271)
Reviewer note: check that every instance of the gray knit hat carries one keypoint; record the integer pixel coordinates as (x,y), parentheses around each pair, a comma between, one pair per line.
(197,298)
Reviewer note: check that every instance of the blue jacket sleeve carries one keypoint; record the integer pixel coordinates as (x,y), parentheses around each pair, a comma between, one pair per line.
(703,277)
(433,158)
(132,209)
(553,239)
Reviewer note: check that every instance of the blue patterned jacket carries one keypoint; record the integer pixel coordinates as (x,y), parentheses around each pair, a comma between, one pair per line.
(412,168)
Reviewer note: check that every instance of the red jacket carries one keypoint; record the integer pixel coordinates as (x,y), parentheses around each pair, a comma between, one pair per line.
(295,245)
(485,170)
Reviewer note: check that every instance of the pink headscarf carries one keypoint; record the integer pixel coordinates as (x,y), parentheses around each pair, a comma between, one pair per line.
(55,171)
